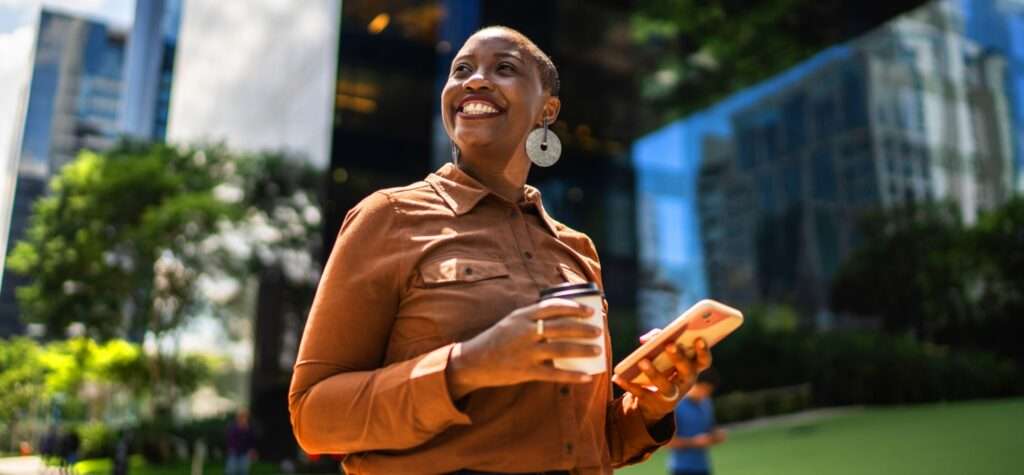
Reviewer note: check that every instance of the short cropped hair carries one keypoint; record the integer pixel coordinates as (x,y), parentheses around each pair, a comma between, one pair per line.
(548,71)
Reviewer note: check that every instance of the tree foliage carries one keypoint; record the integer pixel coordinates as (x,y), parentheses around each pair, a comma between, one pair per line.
(79,376)
(920,270)
(696,52)
(93,244)
(141,238)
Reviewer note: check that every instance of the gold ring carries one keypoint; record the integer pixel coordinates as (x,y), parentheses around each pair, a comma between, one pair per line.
(540,328)
(673,398)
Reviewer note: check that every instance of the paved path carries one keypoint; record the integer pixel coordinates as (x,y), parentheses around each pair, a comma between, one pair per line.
(24,466)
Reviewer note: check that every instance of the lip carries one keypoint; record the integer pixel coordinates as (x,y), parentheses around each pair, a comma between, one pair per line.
(478,98)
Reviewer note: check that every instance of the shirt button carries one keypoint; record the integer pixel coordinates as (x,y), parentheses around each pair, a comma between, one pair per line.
(564,390)
(528,255)
(469,271)
(568,447)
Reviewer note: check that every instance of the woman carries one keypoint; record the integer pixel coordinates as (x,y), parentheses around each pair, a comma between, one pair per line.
(422,352)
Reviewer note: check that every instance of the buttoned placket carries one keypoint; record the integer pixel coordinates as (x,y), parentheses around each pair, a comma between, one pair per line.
(567,420)
(524,245)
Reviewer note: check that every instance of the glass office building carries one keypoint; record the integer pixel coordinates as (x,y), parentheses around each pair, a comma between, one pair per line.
(72,104)
(924,108)
(75,100)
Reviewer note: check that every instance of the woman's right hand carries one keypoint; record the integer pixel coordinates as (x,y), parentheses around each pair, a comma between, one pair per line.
(511,352)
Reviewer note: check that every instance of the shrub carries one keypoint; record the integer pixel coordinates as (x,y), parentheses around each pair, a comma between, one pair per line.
(98,440)
(853,367)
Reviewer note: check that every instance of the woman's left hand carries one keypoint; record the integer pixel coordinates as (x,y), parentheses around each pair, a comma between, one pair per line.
(670,386)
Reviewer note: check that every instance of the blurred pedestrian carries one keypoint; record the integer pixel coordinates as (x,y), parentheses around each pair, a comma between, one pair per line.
(48,444)
(121,452)
(241,449)
(695,429)
(69,445)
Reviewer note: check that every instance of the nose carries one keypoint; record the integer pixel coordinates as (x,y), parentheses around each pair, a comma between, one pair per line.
(477,81)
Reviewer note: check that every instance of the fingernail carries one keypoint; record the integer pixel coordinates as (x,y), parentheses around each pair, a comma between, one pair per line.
(586,378)
(644,364)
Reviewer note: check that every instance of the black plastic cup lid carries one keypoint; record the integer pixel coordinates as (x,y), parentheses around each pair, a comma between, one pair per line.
(570,290)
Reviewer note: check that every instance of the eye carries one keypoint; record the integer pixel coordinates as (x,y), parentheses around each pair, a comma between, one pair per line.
(506,67)
(461,68)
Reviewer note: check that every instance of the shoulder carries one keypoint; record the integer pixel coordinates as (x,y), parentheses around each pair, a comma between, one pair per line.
(396,201)
(414,197)
(577,240)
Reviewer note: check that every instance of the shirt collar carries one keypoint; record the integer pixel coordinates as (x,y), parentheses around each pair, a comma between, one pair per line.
(462,193)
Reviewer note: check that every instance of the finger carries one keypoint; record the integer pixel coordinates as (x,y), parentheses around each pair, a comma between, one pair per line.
(565,349)
(570,328)
(684,366)
(631,387)
(554,308)
(555,375)
(649,335)
(657,378)
(703,356)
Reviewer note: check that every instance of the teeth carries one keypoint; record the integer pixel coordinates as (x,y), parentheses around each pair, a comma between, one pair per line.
(478,108)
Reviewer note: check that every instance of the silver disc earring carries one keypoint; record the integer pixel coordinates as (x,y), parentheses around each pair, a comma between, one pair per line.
(543,147)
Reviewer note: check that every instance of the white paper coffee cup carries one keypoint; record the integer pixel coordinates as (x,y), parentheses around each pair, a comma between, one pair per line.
(585,294)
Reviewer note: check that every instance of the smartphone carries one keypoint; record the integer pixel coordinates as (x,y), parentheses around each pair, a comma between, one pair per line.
(707,319)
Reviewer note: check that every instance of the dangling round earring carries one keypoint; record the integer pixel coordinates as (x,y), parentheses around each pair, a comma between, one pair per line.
(543,147)
(456,154)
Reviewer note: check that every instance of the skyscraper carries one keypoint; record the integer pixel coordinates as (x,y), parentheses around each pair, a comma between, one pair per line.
(75,101)
(916,112)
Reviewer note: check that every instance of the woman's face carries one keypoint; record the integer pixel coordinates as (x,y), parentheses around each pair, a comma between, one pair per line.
(493,95)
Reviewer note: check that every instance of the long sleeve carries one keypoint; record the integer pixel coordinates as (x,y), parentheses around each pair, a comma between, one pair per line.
(341,400)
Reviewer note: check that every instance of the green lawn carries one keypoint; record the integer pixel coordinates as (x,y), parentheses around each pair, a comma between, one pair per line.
(978,437)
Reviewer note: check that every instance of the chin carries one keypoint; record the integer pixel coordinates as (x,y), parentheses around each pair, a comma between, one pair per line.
(475,138)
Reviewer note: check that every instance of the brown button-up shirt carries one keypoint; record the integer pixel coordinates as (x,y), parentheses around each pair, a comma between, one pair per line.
(414,271)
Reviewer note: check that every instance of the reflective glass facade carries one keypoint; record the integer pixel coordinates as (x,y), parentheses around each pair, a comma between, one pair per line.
(75,102)
(757,199)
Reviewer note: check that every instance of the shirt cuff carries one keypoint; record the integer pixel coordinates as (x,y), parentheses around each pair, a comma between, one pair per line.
(430,386)
(643,439)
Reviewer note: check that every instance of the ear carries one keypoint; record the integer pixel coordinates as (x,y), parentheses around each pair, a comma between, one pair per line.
(552,105)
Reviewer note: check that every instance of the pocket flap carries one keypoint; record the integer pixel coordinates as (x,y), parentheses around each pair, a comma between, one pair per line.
(461,269)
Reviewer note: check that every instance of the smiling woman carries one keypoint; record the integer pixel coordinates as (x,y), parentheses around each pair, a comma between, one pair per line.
(426,349)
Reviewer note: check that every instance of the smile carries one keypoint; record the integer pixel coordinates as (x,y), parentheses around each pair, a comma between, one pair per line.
(477,109)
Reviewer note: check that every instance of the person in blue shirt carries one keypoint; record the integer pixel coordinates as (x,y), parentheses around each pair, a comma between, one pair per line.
(695,429)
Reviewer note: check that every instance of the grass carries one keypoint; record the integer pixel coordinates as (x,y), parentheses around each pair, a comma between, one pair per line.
(977,437)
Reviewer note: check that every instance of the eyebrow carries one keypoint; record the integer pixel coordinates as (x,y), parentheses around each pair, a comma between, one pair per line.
(500,54)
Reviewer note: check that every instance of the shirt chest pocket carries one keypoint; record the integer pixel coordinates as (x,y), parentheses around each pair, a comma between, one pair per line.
(460,270)
(456,297)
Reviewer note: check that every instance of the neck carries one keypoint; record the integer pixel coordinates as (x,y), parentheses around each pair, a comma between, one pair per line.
(504,178)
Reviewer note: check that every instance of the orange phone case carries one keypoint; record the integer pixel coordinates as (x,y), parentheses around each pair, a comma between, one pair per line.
(707,319)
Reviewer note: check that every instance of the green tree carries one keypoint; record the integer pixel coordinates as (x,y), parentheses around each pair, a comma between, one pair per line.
(134,242)
(104,248)
(914,270)
(998,240)
(22,381)
(693,53)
